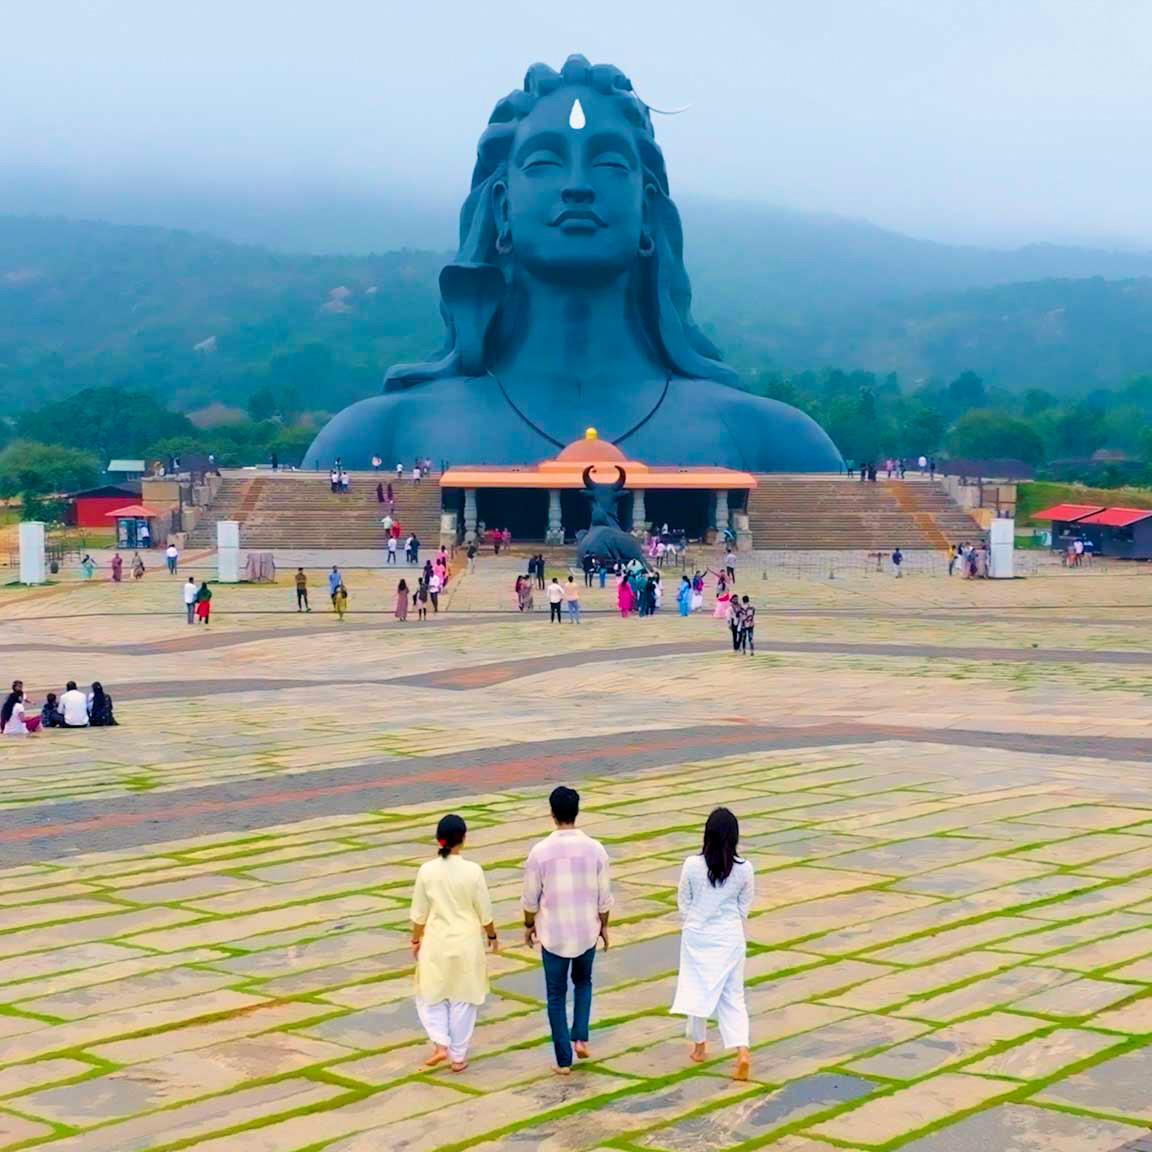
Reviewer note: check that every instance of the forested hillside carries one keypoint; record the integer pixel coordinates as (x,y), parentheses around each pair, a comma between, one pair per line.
(198,320)
(109,334)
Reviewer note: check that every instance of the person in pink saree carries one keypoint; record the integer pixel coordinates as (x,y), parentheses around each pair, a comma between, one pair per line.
(624,598)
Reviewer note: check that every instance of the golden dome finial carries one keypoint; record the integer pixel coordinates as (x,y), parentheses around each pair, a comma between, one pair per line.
(590,434)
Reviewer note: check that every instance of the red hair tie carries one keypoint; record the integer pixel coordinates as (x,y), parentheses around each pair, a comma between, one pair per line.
(442,843)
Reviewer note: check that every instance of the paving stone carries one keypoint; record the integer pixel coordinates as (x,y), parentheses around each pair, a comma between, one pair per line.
(191,888)
(132,992)
(1091,817)
(980,995)
(612,1119)
(973,876)
(143,1133)
(952,941)
(1117,1087)
(759,1115)
(26,1077)
(1022,1128)
(389,949)
(254,1021)
(239,928)
(392,1106)
(935,1050)
(1079,998)
(1044,1056)
(478,1116)
(1084,849)
(911,1109)
(1133,1019)
(814,983)
(18,1129)
(828,1045)
(57,937)
(94,1029)
(1068,935)
(1095,902)
(897,987)
(830,914)
(1139,971)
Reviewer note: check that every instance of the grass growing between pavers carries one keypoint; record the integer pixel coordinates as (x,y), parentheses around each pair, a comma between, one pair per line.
(941,833)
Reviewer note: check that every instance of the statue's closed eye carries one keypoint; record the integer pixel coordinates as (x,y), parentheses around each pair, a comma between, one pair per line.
(612,160)
(540,160)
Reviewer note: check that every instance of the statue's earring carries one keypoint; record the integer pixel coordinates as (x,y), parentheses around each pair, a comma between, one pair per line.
(647,245)
(504,241)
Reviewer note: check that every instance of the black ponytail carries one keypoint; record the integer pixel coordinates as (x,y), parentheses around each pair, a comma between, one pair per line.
(449,833)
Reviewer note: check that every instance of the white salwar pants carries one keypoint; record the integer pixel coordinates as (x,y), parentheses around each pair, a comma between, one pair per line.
(731,1015)
(449,1023)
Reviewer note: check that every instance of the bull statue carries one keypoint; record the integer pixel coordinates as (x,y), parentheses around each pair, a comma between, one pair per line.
(605,540)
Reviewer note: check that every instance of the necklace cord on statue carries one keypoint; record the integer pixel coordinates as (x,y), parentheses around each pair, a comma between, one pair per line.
(559,443)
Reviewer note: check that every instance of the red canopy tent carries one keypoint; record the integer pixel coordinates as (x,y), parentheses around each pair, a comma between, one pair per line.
(133,512)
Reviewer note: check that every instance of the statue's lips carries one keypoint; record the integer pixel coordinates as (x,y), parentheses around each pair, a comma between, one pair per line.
(578,220)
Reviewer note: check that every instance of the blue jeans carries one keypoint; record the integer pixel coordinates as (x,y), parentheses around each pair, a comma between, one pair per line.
(574,611)
(556,983)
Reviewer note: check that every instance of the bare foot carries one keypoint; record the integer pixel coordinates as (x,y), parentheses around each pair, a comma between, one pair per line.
(562,1071)
(699,1053)
(580,1048)
(439,1055)
(459,1065)
(743,1064)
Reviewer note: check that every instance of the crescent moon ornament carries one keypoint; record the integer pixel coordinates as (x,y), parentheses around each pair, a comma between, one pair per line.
(661,111)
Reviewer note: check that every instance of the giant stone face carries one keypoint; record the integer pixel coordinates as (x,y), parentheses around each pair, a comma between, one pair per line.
(574,201)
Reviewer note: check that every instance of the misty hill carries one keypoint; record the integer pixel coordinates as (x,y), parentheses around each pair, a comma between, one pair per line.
(197,319)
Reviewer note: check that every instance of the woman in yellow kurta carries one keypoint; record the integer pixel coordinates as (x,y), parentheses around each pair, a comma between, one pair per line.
(451,915)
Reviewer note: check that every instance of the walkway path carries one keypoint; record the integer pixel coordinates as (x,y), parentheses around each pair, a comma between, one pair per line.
(203,912)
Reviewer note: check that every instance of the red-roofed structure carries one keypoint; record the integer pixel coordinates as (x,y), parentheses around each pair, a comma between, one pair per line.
(1117,517)
(1067,513)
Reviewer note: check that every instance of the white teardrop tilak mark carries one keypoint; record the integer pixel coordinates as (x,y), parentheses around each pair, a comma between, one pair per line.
(576,118)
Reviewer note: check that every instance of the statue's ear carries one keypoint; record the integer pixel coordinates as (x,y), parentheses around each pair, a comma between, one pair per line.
(472,293)
(647,213)
(500,208)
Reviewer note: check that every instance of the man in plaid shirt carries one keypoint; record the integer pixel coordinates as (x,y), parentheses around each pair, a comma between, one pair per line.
(567,900)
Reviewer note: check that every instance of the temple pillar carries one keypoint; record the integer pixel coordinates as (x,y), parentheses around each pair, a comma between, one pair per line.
(639,512)
(469,515)
(555,533)
(721,521)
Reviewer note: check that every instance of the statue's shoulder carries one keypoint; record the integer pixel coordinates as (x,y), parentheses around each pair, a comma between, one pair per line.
(771,436)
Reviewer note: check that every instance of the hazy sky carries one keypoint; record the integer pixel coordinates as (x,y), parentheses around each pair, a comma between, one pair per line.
(977,120)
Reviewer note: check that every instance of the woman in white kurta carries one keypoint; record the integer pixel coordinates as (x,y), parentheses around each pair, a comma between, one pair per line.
(716,891)
(451,916)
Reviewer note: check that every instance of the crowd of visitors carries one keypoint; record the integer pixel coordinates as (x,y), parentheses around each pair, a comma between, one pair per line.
(72,709)
(969,561)
(430,585)
(567,904)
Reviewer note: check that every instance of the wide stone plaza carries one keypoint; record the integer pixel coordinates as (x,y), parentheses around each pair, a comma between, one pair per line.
(944,787)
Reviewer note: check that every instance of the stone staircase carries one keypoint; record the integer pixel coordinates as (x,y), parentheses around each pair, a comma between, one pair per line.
(298,510)
(833,512)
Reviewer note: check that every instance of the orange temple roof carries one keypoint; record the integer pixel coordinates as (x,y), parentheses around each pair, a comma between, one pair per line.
(566,470)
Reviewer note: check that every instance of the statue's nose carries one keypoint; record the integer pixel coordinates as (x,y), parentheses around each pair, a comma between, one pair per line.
(578,194)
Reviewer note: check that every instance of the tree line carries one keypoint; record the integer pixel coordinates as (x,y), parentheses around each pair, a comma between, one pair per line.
(1101,438)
